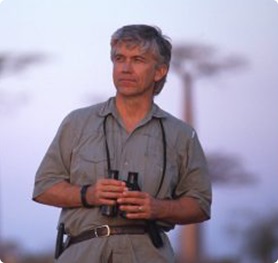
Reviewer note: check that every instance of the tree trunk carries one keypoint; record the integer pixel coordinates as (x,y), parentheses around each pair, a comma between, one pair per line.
(190,248)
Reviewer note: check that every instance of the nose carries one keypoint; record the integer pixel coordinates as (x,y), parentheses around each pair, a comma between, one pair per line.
(127,67)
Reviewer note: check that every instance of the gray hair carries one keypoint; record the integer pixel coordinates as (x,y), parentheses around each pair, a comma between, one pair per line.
(149,39)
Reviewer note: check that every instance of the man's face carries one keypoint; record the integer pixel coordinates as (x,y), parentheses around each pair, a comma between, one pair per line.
(135,71)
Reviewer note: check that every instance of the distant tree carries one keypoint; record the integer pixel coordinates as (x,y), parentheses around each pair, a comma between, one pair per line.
(192,62)
(228,169)
(11,64)
(10,251)
(261,239)
(195,61)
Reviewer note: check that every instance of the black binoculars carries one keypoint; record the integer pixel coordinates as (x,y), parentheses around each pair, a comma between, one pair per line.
(113,211)
(132,185)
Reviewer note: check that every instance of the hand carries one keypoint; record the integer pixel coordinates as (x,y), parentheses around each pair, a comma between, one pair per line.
(105,192)
(138,205)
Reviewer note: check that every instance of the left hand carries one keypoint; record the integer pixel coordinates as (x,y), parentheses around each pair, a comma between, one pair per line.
(138,205)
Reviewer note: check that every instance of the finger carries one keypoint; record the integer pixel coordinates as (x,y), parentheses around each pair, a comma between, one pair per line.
(137,213)
(112,182)
(112,188)
(107,202)
(132,208)
(110,195)
(130,201)
(134,194)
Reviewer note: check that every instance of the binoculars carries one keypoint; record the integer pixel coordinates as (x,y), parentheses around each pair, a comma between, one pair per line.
(132,185)
(112,211)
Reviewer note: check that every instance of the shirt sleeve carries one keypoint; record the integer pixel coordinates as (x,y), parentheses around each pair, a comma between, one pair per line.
(193,175)
(55,165)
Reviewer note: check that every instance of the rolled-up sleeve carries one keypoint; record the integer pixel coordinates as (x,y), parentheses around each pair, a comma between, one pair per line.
(55,165)
(193,175)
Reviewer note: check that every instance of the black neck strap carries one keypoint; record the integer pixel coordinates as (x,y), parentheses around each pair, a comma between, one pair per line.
(106,144)
(164,143)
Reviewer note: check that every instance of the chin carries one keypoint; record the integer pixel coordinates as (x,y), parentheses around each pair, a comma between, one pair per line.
(126,89)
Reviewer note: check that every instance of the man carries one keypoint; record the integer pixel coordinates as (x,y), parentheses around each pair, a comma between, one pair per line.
(127,133)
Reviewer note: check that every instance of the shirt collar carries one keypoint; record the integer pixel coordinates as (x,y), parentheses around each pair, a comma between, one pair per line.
(110,108)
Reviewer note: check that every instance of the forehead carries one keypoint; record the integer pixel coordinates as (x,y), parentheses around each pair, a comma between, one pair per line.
(130,48)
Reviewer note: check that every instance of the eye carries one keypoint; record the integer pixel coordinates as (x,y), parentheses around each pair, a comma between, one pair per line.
(118,58)
(139,59)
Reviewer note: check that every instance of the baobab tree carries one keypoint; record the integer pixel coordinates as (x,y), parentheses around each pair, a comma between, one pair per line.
(192,62)
(12,64)
(261,238)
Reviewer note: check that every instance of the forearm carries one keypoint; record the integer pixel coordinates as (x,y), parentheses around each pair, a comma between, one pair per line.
(62,194)
(185,210)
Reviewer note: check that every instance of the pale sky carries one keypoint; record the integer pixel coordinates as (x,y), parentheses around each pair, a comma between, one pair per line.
(236,113)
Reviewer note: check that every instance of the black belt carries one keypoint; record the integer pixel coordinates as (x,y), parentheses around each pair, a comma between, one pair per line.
(105,231)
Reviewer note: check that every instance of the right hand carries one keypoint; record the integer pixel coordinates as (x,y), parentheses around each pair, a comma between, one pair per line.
(105,192)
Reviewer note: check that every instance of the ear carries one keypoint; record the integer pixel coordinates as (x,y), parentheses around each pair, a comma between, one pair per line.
(161,71)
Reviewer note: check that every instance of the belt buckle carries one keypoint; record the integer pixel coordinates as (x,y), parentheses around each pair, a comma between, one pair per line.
(101,227)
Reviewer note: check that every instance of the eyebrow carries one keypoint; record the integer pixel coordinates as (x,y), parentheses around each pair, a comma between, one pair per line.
(138,56)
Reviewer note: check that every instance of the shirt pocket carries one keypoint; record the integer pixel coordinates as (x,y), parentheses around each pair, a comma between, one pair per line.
(154,168)
(153,164)
(89,160)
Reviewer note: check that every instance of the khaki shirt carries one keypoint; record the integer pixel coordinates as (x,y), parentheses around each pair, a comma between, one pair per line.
(78,155)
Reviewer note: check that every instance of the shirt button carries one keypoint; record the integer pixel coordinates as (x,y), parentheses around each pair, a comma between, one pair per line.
(126,163)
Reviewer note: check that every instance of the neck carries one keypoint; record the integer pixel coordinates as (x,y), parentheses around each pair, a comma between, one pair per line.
(132,111)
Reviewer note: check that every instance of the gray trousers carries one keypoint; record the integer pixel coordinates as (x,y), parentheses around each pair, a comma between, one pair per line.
(118,249)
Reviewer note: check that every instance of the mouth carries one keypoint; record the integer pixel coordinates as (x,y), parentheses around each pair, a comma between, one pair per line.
(126,80)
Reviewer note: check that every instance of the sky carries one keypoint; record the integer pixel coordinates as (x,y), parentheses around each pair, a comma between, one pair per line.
(235,112)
